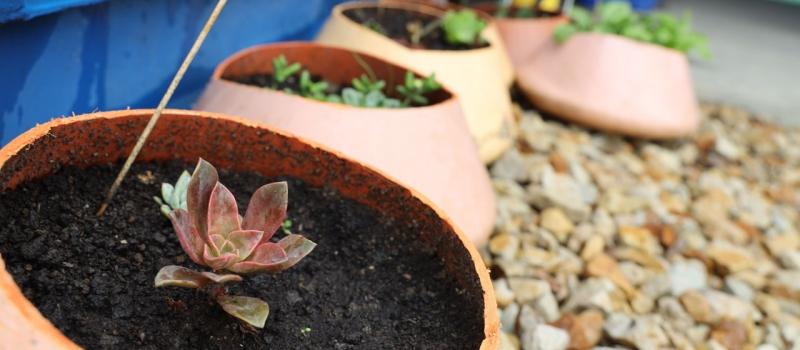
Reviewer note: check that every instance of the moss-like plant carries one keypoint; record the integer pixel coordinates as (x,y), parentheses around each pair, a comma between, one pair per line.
(618,18)
(213,234)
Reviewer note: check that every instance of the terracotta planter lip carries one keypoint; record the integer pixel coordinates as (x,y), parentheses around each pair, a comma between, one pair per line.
(223,66)
(623,40)
(490,316)
(338,11)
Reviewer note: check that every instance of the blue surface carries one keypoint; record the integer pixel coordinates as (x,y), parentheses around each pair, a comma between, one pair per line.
(638,5)
(27,9)
(123,53)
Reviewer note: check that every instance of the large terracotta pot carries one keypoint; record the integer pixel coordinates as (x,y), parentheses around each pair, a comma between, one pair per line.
(614,84)
(475,76)
(230,143)
(428,148)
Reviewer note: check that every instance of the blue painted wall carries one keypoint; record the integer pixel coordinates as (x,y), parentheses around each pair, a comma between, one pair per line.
(123,53)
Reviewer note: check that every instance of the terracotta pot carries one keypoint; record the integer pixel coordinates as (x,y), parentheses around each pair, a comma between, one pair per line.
(614,84)
(428,148)
(472,75)
(523,37)
(230,143)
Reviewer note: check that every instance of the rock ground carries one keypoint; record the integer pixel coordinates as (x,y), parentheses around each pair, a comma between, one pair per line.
(606,242)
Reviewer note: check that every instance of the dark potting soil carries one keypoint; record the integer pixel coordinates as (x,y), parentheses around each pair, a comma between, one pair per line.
(367,285)
(395,23)
(290,85)
(491,7)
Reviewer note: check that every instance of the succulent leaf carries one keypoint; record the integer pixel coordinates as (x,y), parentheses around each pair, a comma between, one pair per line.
(267,209)
(178,198)
(254,311)
(245,241)
(267,257)
(221,260)
(191,241)
(223,214)
(167,191)
(179,276)
(203,181)
(296,248)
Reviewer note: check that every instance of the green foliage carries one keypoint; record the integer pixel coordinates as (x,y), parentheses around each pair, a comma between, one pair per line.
(618,18)
(311,89)
(463,27)
(414,90)
(282,70)
(363,92)
(174,197)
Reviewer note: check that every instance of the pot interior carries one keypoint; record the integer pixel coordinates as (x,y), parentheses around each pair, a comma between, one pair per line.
(335,65)
(105,139)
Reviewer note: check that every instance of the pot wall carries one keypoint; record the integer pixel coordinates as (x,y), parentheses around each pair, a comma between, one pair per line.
(524,38)
(228,143)
(472,74)
(428,148)
(614,84)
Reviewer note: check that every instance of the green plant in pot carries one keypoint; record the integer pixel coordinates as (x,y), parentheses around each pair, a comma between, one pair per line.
(364,91)
(632,72)
(618,18)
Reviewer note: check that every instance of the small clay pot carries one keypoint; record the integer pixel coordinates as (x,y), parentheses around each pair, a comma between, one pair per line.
(102,138)
(476,76)
(428,148)
(614,84)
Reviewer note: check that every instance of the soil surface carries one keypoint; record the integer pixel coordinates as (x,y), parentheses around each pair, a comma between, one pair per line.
(367,285)
(491,7)
(395,23)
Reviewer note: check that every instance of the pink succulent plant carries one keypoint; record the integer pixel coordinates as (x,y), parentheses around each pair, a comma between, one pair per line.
(213,234)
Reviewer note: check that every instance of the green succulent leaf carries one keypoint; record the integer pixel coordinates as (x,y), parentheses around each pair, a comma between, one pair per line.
(462,27)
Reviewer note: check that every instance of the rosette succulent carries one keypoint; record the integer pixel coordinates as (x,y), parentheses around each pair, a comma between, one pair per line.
(213,234)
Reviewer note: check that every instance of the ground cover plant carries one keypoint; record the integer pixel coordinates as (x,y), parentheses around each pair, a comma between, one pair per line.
(364,91)
(620,19)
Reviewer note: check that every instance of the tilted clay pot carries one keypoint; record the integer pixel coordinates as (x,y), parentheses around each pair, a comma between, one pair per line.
(428,148)
(524,37)
(472,75)
(614,84)
(101,138)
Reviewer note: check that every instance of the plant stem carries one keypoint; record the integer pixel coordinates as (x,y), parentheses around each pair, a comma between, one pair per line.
(427,29)
(161,105)
(365,66)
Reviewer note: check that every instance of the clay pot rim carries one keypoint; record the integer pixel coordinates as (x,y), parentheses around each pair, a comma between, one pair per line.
(338,11)
(32,315)
(626,41)
(223,66)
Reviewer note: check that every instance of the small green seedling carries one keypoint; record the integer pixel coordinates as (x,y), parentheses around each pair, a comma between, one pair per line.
(174,197)
(414,90)
(367,85)
(619,18)
(282,70)
(463,27)
(311,89)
